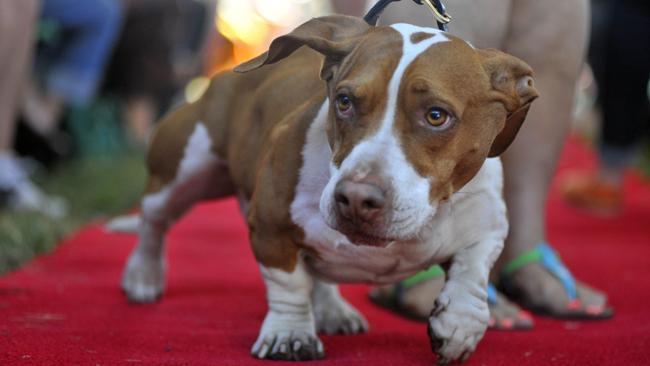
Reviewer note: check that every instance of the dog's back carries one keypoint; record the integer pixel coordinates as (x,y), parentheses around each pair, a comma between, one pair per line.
(239,111)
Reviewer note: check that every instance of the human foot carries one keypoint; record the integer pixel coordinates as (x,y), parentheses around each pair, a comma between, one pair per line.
(412,298)
(590,192)
(540,282)
(19,193)
(506,315)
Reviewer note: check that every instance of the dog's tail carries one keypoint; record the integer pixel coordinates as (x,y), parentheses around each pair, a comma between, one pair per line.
(124,224)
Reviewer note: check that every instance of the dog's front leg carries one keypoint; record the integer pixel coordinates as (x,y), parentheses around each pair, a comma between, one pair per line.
(288,331)
(460,316)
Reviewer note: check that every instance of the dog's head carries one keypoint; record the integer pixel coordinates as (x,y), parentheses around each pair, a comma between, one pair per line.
(413,114)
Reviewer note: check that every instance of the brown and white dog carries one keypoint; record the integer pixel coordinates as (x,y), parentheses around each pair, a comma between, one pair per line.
(373,173)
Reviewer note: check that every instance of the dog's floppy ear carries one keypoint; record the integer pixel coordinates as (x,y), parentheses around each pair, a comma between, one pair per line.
(512,81)
(333,36)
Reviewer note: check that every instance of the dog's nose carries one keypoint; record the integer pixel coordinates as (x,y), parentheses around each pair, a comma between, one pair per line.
(359,202)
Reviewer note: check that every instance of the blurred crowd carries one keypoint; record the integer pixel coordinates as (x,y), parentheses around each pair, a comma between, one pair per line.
(91,77)
(88,77)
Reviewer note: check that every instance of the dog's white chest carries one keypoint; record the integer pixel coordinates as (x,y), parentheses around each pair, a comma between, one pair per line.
(338,258)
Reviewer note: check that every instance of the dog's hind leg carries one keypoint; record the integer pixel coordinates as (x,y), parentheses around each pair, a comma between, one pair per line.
(333,314)
(183,169)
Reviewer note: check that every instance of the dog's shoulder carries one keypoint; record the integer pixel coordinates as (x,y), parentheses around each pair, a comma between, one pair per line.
(488,180)
(478,209)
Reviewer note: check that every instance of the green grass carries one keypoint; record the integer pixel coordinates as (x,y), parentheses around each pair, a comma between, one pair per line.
(95,188)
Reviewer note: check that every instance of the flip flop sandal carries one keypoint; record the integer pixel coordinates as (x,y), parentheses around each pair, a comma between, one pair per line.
(393,300)
(549,260)
(522,321)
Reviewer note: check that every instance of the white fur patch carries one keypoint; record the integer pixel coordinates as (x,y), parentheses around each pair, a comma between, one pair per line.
(198,156)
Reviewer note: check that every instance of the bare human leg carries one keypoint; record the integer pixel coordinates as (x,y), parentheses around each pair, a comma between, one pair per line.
(553,43)
(17,25)
(556,53)
(350,7)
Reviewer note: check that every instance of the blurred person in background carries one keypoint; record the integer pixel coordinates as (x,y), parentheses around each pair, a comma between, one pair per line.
(70,68)
(620,59)
(17,27)
(550,36)
(157,54)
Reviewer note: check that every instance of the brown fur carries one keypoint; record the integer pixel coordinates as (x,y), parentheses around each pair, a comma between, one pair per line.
(368,87)
(419,37)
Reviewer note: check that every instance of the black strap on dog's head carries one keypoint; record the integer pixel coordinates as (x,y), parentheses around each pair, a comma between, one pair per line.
(436,7)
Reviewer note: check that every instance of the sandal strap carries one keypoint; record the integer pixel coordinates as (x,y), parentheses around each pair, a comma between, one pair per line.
(491,294)
(433,272)
(547,258)
(422,276)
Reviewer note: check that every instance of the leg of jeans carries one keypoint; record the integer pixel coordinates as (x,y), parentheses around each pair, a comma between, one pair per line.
(95,25)
(556,53)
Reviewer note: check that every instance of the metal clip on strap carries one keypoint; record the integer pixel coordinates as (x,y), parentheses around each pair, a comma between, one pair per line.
(437,8)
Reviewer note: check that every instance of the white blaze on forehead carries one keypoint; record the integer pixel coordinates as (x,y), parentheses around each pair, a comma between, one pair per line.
(384,137)
(410,51)
(197,158)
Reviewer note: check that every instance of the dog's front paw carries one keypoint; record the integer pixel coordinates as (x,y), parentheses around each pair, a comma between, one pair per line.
(288,335)
(338,317)
(456,326)
(288,345)
(143,278)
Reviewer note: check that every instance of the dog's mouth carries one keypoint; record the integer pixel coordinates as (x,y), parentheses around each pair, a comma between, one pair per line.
(359,237)
(362,233)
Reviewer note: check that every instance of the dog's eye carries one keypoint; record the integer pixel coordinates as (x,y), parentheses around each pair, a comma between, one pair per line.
(437,117)
(343,104)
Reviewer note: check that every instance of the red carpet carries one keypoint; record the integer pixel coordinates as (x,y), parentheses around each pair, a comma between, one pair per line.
(65,308)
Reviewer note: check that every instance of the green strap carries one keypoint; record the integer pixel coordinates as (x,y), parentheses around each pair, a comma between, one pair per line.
(549,260)
(434,271)
(532,256)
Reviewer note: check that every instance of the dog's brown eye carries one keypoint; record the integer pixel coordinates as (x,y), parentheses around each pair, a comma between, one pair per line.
(343,103)
(437,116)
